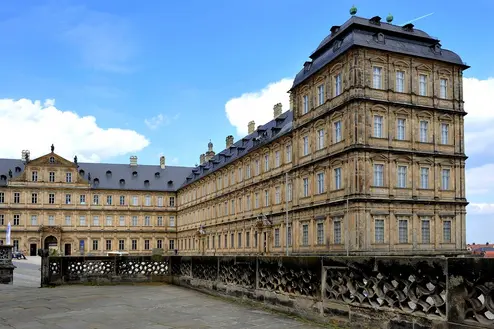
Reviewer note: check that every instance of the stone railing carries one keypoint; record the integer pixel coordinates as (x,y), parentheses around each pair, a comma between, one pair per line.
(371,292)
(6,266)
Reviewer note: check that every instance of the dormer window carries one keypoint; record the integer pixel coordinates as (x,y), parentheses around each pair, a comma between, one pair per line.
(108,173)
(146,182)
(170,182)
(96,181)
(134,174)
(408,27)
(18,169)
(376,20)
(81,172)
(307,66)
(52,160)
(3,177)
(157,174)
(122,181)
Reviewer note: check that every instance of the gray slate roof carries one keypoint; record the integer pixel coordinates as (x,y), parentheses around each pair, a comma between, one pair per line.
(267,133)
(359,31)
(168,179)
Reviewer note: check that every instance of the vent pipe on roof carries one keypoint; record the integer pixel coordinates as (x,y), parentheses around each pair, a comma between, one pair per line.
(251,127)
(277,110)
(133,161)
(162,162)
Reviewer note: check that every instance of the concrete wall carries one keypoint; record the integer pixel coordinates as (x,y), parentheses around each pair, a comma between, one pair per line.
(354,292)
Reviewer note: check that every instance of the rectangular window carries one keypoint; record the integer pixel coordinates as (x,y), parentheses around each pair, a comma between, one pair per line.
(306,104)
(424,131)
(135,200)
(337,178)
(255,239)
(82,199)
(68,221)
(289,192)
(52,177)
(424,177)
(444,133)
(34,197)
(82,220)
(320,139)
(134,220)
(17,220)
(159,221)
(146,245)
(121,244)
(109,220)
(95,244)
(122,200)
(445,179)
(306,187)
(172,220)
(17,197)
(121,221)
(172,201)
(172,244)
(289,233)
(320,183)
(248,202)
(402,176)
(337,85)
(337,231)
(68,199)
(134,244)
(96,220)
(266,162)
(447,231)
(320,94)
(256,200)
(277,159)
(239,238)
(400,129)
(378,126)
(426,231)
(305,235)
(266,198)
(109,200)
(276,237)
(423,85)
(337,132)
(379,231)
(2,219)
(51,220)
(2,197)
(247,171)
(108,245)
(34,176)
(443,88)
(305,143)
(403,231)
(320,233)
(232,240)
(379,175)
(258,167)
(240,175)
(68,177)
(288,154)
(159,244)
(277,195)
(160,201)
(147,220)
(400,81)
(51,198)
(96,199)
(377,77)
(34,220)
(247,239)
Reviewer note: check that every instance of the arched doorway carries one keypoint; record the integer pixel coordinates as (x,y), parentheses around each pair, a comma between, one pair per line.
(51,242)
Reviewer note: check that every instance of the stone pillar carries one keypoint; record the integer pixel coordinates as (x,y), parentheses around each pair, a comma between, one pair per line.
(6,266)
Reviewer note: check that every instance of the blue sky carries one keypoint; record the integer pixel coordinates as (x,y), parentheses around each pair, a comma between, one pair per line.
(165,77)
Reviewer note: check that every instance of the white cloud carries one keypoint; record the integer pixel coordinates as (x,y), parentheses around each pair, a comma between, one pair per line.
(258,105)
(480,180)
(28,125)
(479,98)
(480,208)
(156,121)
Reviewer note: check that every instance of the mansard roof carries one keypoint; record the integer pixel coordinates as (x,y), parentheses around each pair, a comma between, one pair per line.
(111,176)
(358,31)
(264,135)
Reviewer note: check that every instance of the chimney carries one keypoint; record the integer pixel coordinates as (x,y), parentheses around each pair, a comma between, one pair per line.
(133,161)
(277,110)
(25,155)
(162,162)
(202,158)
(251,127)
(229,141)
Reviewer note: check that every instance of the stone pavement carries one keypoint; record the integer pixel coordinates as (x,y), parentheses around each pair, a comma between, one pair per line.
(122,307)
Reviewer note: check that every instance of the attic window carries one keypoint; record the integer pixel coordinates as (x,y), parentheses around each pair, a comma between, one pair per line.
(436,48)
(156,174)
(52,160)
(379,37)
(3,177)
(134,173)
(336,45)
(122,181)
(307,66)
(17,169)
(81,172)
(170,182)
(108,173)
(146,182)
(334,29)
(408,27)
(376,20)
(96,181)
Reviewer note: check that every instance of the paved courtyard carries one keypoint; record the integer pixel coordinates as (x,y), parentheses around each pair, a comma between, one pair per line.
(22,306)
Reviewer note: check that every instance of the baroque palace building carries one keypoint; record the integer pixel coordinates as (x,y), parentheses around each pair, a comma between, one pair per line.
(369,159)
